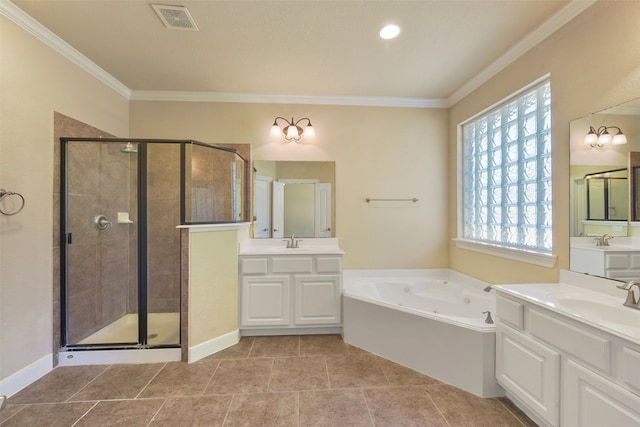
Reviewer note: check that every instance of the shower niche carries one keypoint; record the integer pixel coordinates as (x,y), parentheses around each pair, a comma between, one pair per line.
(121,203)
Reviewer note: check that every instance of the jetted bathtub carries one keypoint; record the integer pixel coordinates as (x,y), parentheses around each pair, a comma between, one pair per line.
(433,321)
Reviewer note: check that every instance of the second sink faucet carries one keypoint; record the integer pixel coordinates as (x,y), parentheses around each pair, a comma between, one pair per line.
(633,300)
(292,243)
(603,240)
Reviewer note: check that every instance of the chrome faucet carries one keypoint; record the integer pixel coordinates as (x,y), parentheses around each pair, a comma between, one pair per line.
(603,240)
(292,243)
(632,300)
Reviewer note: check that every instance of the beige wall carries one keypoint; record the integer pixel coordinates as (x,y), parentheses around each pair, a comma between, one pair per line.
(379,152)
(594,64)
(35,81)
(213,294)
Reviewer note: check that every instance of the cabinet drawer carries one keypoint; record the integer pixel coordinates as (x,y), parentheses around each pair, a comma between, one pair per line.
(630,367)
(253,265)
(617,261)
(582,345)
(292,264)
(510,312)
(328,265)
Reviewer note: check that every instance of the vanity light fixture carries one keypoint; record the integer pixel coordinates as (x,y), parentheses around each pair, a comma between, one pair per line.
(292,131)
(600,137)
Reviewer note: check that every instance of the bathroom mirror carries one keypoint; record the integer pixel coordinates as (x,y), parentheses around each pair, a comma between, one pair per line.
(293,198)
(603,195)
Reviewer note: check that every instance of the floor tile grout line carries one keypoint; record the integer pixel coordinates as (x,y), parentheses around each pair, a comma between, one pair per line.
(90,382)
(366,404)
(211,378)
(226,415)
(86,412)
(164,402)
(151,380)
(253,341)
(424,389)
(511,412)
(326,368)
(273,362)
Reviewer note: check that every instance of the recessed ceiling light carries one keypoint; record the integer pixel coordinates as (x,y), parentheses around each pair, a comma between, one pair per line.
(389,31)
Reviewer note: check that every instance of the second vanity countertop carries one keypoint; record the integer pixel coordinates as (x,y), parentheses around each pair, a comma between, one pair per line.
(601,310)
(306,246)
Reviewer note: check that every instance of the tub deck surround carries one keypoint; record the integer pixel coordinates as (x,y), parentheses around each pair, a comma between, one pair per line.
(457,348)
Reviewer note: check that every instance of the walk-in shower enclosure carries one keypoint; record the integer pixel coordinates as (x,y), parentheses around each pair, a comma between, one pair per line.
(121,203)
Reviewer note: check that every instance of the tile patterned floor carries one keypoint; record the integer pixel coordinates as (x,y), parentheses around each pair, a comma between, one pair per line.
(315,380)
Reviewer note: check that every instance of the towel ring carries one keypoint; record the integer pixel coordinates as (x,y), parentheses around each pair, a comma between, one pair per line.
(4,194)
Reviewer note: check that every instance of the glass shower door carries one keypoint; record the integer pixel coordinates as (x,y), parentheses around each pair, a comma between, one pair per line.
(100,273)
(163,203)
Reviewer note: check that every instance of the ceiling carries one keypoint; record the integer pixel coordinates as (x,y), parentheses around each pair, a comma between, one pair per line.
(310,48)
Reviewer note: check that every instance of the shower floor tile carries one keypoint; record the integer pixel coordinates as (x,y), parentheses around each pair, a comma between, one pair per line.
(266,381)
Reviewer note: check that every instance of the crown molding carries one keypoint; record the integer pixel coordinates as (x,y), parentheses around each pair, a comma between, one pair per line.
(368,101)
(36,29)
(546,29)
(557,21)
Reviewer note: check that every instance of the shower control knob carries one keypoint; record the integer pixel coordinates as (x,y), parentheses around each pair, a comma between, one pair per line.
(101,223)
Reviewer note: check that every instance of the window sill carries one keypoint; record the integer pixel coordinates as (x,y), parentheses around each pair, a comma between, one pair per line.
(529,257)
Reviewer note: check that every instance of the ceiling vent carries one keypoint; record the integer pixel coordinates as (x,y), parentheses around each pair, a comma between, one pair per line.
(175,17)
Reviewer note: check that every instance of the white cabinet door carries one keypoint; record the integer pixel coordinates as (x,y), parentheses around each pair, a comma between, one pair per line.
(530,371)
(590,400)
(265,301)
(317,300)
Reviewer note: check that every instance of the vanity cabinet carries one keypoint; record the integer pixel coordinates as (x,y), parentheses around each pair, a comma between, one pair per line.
(606,261)
(286,294)
(564,372)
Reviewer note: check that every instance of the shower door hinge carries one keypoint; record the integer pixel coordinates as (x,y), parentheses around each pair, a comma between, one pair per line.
(69,240)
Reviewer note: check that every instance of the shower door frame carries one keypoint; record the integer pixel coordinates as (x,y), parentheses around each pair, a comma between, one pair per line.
(142,247)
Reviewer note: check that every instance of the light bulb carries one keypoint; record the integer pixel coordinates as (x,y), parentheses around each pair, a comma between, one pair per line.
(275,130)
(605,138)
(619,139)
(292,131)
(309,131)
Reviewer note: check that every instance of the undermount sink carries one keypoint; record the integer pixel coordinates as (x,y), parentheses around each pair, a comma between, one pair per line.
(306,246)
(602,311)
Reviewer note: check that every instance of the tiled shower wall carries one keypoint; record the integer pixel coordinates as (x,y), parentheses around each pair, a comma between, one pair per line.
(163,215)
(98,182)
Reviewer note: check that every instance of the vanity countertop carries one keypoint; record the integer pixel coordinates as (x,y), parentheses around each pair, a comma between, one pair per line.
(305,246)
(602,310)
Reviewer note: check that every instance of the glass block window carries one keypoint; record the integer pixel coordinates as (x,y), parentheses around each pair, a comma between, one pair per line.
(507,173)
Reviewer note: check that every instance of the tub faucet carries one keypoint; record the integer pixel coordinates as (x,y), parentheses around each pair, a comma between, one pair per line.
(488,319)
(632,300)
(603,240)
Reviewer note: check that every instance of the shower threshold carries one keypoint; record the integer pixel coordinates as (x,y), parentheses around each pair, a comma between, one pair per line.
(163,329)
